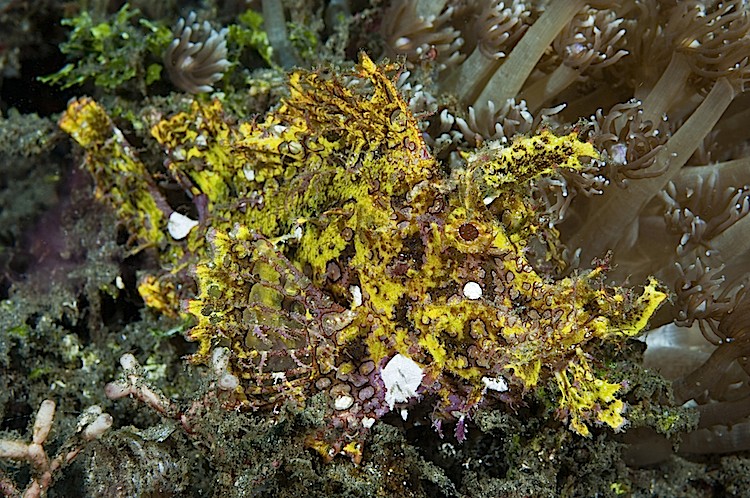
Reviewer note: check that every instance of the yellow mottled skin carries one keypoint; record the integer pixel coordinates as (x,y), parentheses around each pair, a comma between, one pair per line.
(122,180)
(339,197)
(379,209)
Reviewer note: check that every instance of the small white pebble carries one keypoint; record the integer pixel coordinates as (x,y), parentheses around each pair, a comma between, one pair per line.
(472,290)
(367,422)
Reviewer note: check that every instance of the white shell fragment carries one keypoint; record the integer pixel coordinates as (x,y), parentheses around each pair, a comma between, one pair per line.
(229,382)
(472,290)
(220,360)
(495,384)
(401,376)
(356,292)
(180,225)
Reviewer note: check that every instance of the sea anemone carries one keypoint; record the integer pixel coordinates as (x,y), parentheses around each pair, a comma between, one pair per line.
(197,57)
(657,88)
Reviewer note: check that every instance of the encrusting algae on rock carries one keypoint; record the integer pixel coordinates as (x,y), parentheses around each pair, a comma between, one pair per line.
(344,258)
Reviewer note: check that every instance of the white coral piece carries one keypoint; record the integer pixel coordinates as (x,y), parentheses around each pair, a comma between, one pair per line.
(402,377)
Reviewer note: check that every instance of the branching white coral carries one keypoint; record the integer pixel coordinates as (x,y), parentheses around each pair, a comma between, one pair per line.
(92,425)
